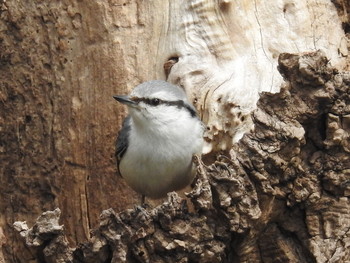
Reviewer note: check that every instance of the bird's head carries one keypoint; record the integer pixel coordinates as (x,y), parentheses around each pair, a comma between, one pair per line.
(157,102)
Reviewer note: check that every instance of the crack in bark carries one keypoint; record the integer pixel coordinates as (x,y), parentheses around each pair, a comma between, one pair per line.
(242,198)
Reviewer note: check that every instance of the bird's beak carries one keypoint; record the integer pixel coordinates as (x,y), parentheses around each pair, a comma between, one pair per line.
(125,99)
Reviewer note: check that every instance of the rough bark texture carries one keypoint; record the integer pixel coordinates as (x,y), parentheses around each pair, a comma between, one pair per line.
(58,73)
(60,63)
(281,196)
(227,53)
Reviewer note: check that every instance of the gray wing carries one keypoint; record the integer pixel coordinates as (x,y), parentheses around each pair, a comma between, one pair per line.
(122,141)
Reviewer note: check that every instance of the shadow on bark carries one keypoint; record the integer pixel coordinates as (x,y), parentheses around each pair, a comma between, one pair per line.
(281,195)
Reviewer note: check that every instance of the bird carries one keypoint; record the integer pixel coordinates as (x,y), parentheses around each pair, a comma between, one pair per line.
(158,139)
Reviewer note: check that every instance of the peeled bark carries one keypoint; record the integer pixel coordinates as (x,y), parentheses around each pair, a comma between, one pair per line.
(281,196)
(61,62)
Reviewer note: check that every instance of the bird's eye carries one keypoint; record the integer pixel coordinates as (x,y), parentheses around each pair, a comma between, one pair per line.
(155,102)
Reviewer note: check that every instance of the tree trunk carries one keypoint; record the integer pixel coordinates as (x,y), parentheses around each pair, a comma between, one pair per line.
(278,194)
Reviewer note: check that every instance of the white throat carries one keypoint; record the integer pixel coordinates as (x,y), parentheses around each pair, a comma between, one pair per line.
(163,148)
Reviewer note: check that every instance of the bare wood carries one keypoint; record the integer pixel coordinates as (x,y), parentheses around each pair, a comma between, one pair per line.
(61,61)
(282,195)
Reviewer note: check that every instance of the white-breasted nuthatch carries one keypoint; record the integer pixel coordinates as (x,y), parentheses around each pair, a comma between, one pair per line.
(159,137)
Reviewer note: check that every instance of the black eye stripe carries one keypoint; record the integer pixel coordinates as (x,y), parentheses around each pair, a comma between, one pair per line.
(153,102)
(156,102)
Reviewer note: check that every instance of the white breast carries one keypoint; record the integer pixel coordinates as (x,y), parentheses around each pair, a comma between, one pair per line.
(159,159)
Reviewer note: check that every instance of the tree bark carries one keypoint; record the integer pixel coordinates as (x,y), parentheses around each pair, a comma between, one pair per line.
(60,64)
(281,195)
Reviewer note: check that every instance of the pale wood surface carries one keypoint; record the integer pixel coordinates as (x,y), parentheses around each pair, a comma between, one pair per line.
(61,62)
